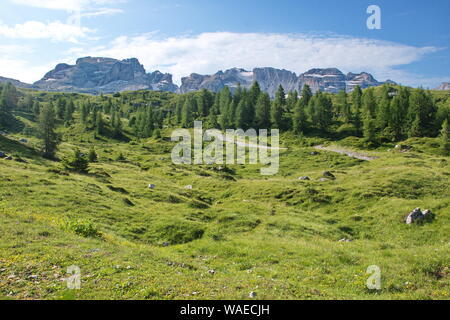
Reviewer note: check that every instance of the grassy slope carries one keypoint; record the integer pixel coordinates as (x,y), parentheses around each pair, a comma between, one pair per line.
(277,236)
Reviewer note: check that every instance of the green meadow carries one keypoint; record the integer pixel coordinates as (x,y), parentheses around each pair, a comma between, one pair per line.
(234,232)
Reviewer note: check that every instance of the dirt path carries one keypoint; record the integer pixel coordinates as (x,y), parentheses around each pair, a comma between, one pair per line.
(349,153)
(251,145)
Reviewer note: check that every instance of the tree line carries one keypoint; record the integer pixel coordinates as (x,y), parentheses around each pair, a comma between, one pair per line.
(389,113)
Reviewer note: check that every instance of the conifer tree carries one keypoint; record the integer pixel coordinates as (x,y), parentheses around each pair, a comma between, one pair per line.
(299,120)
(343,107)
(306,95)
(277,110)
(47,125)
(92,156)
(61,108)
(254,93)
(445,138)
(356,107)
(369,128)
(263,111)
(36,109)
(383,113)
(186,114)
(422,111)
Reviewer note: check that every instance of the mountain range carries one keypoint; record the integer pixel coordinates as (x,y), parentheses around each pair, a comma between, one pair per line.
(106,75)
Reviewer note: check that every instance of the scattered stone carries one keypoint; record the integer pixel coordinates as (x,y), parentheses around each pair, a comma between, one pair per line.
(314,153)
(417,216)
(9,158)
(23,140)
(323,179)
(304,178)
(252,295)
(165,244)
(33,277)
(212,271)
(345,240)
(189,187)
(151,186)
(328,174)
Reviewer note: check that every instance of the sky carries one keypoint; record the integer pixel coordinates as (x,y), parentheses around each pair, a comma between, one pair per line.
(204,36)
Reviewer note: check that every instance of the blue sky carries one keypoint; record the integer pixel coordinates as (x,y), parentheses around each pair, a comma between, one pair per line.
(204,36)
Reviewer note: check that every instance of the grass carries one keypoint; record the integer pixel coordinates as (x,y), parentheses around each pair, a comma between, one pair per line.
(277,235)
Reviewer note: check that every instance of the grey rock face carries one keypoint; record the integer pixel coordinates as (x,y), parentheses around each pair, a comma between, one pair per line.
(104,75)
(325,80)
(16,83)
(269,79)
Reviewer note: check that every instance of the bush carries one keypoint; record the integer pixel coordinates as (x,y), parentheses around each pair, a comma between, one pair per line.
(92,155)
(76,162)
(82,228)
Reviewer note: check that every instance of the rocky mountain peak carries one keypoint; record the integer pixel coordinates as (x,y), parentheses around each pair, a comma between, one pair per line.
(104,75)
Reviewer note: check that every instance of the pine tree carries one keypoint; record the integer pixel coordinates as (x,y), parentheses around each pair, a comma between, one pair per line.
(383,113)
(76,162)
(10,97)
(416,129)
(299,118)
(263,111)
(306,95)
(343,107)
(323,111)
(291,101)
(36,109)
(445,138)
(396,118)
(117,125)
(278,107)
(4,109)
(214,113)
(92,156)
(61,108)
(224,99)
(148,123)
(253,94)
(47,125)
(99,126)
(356,106)
(186,115)
(68,117)
(179,109)
(422,106)
(369,129)
(84,113)
(241,114)
(369,103)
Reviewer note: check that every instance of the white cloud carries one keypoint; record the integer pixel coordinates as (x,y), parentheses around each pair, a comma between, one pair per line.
(67,5)
(12,66)
(55,31)
(207,53)
(101,12)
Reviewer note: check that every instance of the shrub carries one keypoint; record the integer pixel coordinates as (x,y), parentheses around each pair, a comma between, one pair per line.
(82,228)
(92,155)
(76,162)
